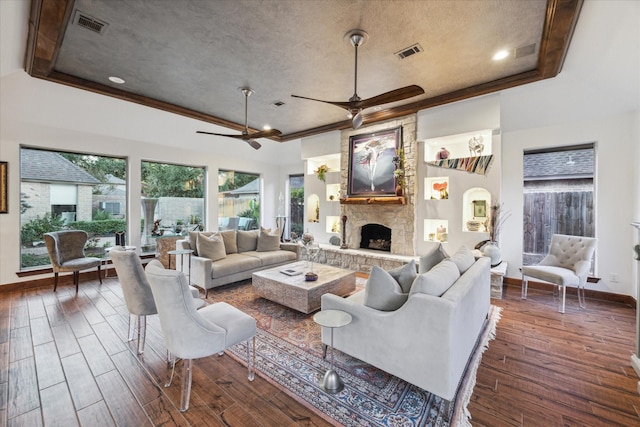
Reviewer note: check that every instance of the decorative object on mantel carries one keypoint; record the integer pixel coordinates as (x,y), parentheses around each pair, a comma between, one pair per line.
(344,232)
(394,200)
(321,172)
(479,165)
(398,162)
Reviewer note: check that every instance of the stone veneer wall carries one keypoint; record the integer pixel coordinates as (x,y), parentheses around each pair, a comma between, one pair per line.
(399,218)
(361,260)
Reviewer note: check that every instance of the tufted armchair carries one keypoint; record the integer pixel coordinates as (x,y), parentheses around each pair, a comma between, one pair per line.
(566,264)
(66,252)
(191,334)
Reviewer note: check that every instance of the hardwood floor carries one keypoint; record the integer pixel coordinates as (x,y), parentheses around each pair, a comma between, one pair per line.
(65,361)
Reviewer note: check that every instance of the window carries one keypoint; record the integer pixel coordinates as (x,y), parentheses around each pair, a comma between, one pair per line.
(61,190)
(296,197)
(238,200)
(173,201)
(558,197)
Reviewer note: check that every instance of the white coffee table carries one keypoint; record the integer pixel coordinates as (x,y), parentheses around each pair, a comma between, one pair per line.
(294,292)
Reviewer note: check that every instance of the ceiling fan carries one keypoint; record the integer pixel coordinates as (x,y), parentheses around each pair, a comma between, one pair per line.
(355,105)
(246,136)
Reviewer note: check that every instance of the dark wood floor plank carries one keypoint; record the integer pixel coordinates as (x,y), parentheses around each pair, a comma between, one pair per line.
(299,413)
(57,407)
(48,365)
(41,331)
(164,413)
(5,327)
(83,388)
(120,400)
(96,415)
(65,340)
(97,358)
(23,387)
(141,384)
(29,419)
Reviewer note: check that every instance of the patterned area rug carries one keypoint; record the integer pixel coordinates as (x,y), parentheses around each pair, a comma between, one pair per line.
(289,354)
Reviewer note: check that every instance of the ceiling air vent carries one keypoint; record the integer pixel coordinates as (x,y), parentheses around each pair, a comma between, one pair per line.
(277,104)
(90,23)
(416,48)
(523,51)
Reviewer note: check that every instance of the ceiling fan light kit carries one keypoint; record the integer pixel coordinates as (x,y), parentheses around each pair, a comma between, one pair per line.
(355,105)
(246,136)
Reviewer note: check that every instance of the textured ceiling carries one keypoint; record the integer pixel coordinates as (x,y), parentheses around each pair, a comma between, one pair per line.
(192,56)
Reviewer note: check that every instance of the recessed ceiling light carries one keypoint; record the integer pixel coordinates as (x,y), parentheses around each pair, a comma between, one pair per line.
(501,54)
(117,80)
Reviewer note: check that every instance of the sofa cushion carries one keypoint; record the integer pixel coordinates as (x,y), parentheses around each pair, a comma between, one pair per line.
(232,264)
(463,259)
(382,292)
(247,240)
(272,257)
(405,275)
(193,239)
(229,239)
(211,247)
(268,240)
(437,280)
(434,257)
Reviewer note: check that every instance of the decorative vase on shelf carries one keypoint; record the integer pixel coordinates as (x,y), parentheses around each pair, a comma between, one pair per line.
(492,251)
(399,191)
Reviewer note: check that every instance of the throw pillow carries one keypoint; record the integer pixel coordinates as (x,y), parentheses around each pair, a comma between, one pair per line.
(268,240)
(382,292)
(463,259)
(247,240)
(193,237)
(434,257)
(229,239)
(211,247)
(405,275)
(437,280)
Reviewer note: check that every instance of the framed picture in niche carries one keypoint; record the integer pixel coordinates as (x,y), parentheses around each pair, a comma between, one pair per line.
(480,208)
(371,167)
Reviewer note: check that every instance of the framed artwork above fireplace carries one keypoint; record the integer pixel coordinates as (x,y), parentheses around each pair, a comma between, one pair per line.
(371,166)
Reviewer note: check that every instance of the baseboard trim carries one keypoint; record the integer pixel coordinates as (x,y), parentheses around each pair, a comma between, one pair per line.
(589,293)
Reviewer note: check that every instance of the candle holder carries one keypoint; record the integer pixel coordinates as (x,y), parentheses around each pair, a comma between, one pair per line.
(344,232)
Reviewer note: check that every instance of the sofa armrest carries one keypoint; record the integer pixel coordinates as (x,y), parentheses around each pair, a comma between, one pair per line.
(291,247)
(201,272)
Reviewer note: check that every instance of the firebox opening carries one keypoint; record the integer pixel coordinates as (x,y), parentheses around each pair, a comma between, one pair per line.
(375,236)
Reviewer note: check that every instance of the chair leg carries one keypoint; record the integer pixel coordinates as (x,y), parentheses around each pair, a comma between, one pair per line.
(76,279)
(525,284)
(581,299)
(55,282)
(251,357)
(132,326)
(562,296)
(186,384)
(100,275)
(142,333)
(173,369)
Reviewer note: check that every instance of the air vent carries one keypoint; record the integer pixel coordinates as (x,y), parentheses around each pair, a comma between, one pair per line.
(277,104)
(90,23)
(525,50)
(411,50)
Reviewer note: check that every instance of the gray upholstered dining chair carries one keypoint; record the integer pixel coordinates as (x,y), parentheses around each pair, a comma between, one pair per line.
(567,264)
(66,252)
(137,292)
(191,334)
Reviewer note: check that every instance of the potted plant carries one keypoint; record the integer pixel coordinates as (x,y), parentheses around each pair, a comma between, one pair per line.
(321,172)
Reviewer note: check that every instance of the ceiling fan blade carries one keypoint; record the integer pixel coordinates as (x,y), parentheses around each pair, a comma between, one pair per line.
(356,121)
(391,96)
(253,143)
(223,134)
(264,134)
(345,105)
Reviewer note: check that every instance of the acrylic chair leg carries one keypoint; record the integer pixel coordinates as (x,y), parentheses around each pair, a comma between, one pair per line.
(173,369)
(186,384)
(251,357)
(132,326)
(142,333)
(525,284)
(562,297)
(581,299)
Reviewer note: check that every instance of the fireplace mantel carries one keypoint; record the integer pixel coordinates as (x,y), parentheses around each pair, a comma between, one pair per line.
(395,200)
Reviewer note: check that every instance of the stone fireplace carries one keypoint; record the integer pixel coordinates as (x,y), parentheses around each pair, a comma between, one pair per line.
(398,218)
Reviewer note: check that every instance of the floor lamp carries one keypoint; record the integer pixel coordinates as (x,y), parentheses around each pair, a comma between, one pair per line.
(635,358)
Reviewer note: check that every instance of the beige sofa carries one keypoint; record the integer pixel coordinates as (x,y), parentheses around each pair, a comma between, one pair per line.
(428,340)
(243,253)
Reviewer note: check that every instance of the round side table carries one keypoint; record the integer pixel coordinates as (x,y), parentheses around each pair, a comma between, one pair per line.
(182,253)
(332,383)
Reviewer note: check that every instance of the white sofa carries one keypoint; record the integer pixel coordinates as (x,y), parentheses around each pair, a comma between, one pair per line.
(239,261)
(428,340)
